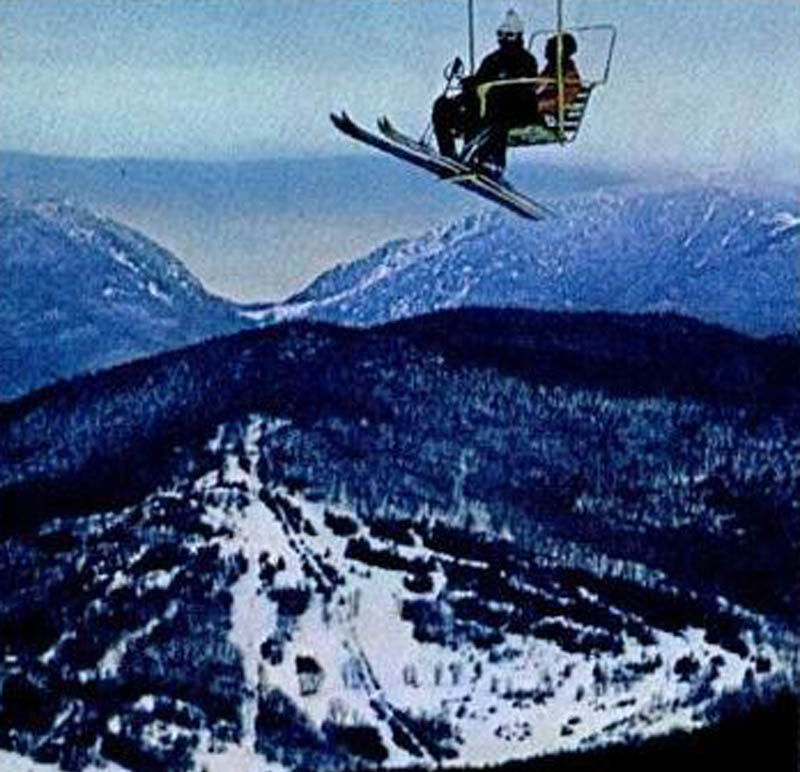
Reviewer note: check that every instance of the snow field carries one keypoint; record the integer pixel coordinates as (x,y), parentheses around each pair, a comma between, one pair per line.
(12,762)
(490,701)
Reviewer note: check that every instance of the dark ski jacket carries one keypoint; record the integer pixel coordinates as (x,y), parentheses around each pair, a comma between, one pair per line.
(507,63)
(510,105)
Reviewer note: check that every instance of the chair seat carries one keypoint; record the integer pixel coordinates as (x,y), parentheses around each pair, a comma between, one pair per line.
(535,134)
(547,133)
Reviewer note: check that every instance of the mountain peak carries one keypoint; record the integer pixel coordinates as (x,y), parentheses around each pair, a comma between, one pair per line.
(721,254)
(100,238)
(84,291)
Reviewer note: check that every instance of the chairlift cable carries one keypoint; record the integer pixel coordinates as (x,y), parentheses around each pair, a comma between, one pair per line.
(560,67)
(471,28)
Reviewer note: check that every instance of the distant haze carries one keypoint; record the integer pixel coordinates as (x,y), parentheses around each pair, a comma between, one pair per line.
(261,231)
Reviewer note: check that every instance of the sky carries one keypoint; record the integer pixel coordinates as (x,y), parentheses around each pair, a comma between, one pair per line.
(696,87)
(693,82)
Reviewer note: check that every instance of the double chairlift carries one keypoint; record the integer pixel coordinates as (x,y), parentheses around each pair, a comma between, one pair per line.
(595,50)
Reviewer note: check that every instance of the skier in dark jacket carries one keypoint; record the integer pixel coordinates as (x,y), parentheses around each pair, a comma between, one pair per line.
(506,106)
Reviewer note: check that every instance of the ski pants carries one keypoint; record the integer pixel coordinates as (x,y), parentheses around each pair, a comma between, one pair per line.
(454,116)
(458,116)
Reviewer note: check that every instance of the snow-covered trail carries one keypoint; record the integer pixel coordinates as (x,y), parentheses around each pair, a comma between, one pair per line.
(252,616)
(377,674)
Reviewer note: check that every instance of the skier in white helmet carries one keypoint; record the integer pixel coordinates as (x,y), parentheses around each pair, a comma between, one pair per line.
(506,105)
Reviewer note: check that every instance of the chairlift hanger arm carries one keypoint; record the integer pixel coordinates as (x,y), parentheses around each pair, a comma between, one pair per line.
(471,15)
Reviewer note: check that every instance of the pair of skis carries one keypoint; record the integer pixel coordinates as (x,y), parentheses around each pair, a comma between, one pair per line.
(394,142)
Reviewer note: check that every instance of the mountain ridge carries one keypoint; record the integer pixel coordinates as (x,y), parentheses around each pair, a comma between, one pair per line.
(724,255)
(265,369)
(423,554)
(83,291)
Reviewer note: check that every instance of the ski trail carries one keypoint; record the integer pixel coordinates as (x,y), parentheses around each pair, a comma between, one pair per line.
(252,617)
(375,692)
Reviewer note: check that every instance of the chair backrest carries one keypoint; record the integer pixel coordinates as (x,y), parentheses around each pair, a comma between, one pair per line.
(542,129)
(596,44)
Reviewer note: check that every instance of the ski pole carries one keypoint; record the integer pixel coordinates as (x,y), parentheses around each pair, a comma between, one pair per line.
(453,70)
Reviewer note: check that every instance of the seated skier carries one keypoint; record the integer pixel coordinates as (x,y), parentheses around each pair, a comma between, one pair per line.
(548,94)
(485,138)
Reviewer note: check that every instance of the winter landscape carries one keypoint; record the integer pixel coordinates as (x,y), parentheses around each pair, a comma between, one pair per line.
(443,534)
(475,493)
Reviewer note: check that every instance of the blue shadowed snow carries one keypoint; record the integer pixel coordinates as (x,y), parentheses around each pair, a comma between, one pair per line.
(720,254)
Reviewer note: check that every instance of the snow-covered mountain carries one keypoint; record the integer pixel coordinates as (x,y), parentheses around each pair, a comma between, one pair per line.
(427,553)
(252,229)
(81,292)
(720,254)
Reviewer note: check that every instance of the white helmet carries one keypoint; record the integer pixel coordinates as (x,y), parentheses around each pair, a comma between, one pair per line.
(511,24)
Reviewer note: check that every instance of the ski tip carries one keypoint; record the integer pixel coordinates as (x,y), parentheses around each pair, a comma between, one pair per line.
(342,121)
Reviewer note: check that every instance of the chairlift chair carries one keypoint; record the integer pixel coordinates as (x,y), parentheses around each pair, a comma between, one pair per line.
(548,129)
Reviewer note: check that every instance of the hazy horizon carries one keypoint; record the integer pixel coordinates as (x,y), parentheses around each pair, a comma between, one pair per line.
(697,87)
(259,231)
